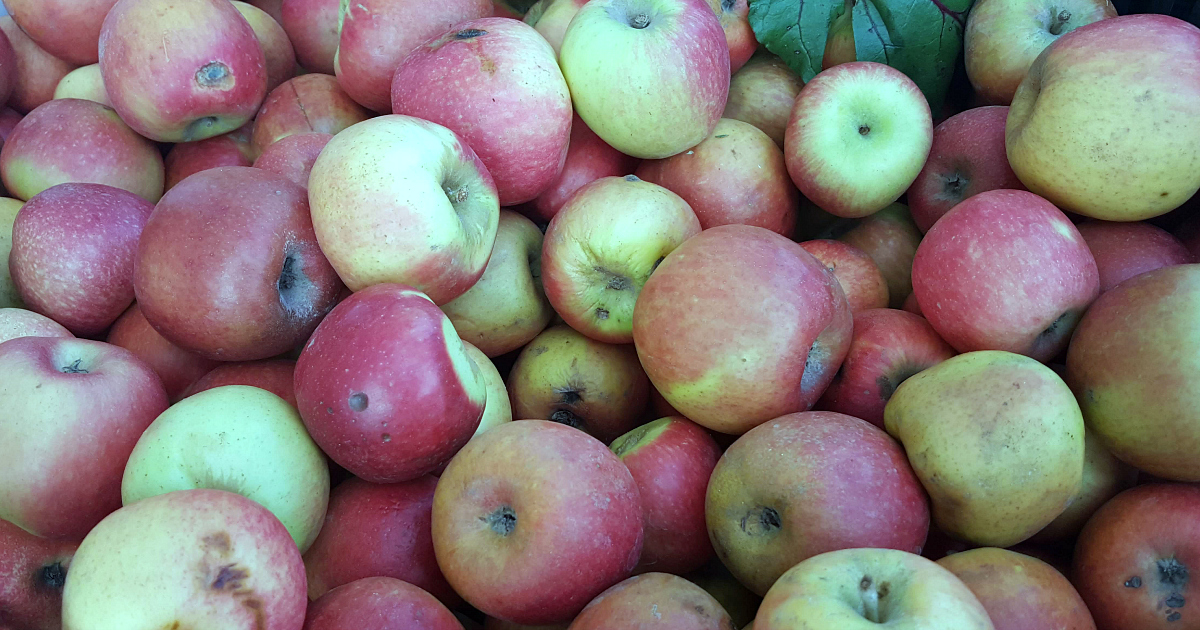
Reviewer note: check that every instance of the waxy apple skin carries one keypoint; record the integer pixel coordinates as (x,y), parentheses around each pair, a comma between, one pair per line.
(274,375)
(366,603)
(312,27)
(1125,250)
(588,158)
(1020,592)
(653,600)
(178,368)
(18,322)
(32,581)
(37,71)
(306,104)
(67,29)
(762,93)
(860,278)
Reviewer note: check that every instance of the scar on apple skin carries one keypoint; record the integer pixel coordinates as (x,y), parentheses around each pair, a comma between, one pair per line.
(358,401)
(761,521)
(52,576)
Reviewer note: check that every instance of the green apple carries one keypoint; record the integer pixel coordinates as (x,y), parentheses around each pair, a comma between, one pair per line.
(9,298)
(497,410)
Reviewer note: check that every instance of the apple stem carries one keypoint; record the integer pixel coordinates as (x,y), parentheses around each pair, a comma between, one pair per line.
(1060,20)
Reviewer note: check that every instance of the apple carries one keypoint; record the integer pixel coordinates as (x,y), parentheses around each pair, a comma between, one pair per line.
(588,158)
(1104,476)
(273,375)
(198,290)
(807,483)
(176,367)
(996,439)
(1133,357)
(307,103)
(887,348)
(507,307)
(1005,270)
(564,376)
(967,158)
(74,409)
(188,158)
(32,582)
(890,238)
(277,49)
(312,27)
(9,118)
(253,443)
(736,175)
(293,156)
(671,460)
(602,247)
(522,507)
(68,29)
(492,623)
(73,140)
(736,599)
(376,529)
(400,199)
(651,601)
(1125,250)
(1019,592)
(497,410)
(650,77)
(386,362)
(740,325)
(84,82)
(207,78)
(739,37)
(861,589)
(9,296)
(374,36)
(217,559)
(857,274)
(446,81)
(37,71)
(551,18)
(378,603)
(1004,37)
(1124,84)
(8,68)
(762,93)
(856,119)
(18,322)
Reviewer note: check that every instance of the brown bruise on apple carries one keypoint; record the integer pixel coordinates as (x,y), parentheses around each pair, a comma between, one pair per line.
(760,521)
(1169,579)
(298,294)
(221,574)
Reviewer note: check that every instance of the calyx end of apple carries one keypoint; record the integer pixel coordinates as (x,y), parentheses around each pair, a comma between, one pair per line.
(503,521)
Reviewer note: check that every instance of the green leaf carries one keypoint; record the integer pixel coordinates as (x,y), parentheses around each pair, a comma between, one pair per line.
(795,30)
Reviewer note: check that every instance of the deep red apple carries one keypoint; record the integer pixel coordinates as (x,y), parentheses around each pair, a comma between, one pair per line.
(1125,250)
(8,68)
(18,322)
(188,158)
(307,103)
(38,72)
(67,29)
(312,27)
(32,573)
(857,274)
(890,238)
(277,49)
(654,601)
(1020,592)
(274,375)
(178,368)
(293,156)
(379,603)
(588,158)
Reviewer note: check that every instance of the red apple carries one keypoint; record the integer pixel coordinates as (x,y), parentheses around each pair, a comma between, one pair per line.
(197,287)
(277,49)
(8,68)
(274,375)
(273,8)
(32,581)
(967,158)
(207,77)
(671,460)
(67,29)
(762,93)
(859,276)
(9,118)
(307,103)
(707,327)
(807,483)
(18,322)
(293,156)
(386,362)
(890,238)
(1020,592)
(178,368)
(1125,250)
(188,158)
(376,35)
(1005,270)
(588,158)
(736,175)
(551,18)
(446,81)
(312,27)
(73,140)
(1134,558)
(492,623)
(37,71)
(379,603)
(522,508)
(654,601)
(74,410)
(735,21)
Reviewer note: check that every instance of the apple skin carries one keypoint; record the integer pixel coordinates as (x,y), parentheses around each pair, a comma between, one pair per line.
(67,29)
(31,585)
(762,93)
(492,623)
(176,367)
(188,158)
(967,158)
(18,322)
(307,103)
(1121,371)
(857,274)
(232,565)
(37,71)
(274,375)
(198,289)
(447,81)
(278,54)
(507,307)
(1019,592)
(603,245)
(652,601)
(73,254)
(1133,558)
(9,296)
(210,79)
(1128,84)
(1005,270)
(532,501)
(1125,250)
(84,82)
(379,603)
(78,141)
(650,77)
(807,483)
(312,27)
(59,394)
(400,199)
(1003,38)
(735,21)
(833,137)
(707,328)
(735,598)
(1104,476)
(996,438)
(498,409)
(564,376)
(887,348)
(293,156)
(8,68)
(671,460)
(736,175)
(551,18)
(890,238)
(833,590)
(376,529)
(588,158)
(376,35)
(385,362)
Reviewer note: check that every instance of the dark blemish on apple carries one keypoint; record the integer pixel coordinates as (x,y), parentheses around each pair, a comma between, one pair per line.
(1163,194)
(74,368)
(214,75)
(619,283)
(358,401)
(955,185)
(1173,616)
(1060,20)
(569,396)
(470,33)
(601,314)
(761,521)
(329,410)
(568,417)
(219,541)
(864,130)
(724,135)
(229,578)
(632,178)
(387,437)
(728,5)
(503,521)
(658,262)
(1172,572)
(1176,600)
(1134,582)
(255,605)
(53,576)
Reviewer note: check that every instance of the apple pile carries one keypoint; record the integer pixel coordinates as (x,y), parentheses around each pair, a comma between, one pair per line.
(279,276)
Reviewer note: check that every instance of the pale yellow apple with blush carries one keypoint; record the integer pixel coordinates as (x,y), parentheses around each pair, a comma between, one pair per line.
(9,298)
(84,82)
(497,410)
